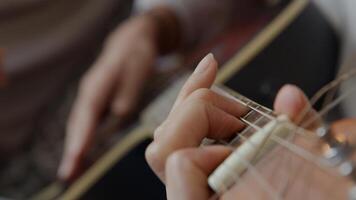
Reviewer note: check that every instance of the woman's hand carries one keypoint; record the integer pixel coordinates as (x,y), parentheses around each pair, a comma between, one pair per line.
(114,82)
(175,155)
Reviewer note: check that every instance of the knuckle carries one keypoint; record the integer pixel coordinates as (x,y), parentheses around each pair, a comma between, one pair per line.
(85,85)
(179,160)
(203,94)
(157,132)
(162,128)
(153,158)
(122,108)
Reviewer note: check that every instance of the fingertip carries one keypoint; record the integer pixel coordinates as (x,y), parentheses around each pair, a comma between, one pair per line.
(202,77)
(207,63)
(69,165)
(290,100)
(214,63)
(64,170)
(154,158)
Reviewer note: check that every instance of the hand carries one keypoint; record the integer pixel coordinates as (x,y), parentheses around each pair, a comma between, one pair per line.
(198,113)
(115,82)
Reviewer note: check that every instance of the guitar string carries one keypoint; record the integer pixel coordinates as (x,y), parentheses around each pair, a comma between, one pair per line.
(342,78)
(266,179)
(263,182)
(242,100)
(258,177)
(241,135)
(291,180)
(332,105)
(254,109)
(320,93)
(301,153)
(254,172)
(335,102)
(297,150)
(323,90)
(241,182)
(256,127)
(262,113)
(331,86)
(271,117)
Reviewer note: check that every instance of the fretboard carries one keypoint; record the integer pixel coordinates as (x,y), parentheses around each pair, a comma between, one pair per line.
(256,117)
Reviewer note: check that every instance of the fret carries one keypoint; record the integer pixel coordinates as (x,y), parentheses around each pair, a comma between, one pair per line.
(246,133)
(257,117)
(246,102)
(251,119)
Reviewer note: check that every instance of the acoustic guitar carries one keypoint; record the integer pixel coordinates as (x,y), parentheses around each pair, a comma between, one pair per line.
(281,45)
(274,158)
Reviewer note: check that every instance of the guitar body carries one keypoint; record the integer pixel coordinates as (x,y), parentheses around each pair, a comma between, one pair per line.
(129,178)
(304,54)
(297,41)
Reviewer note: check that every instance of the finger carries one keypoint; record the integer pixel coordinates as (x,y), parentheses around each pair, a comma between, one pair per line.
(203,77)
(292,101)
(187,171)
(131,86)
(195,120)
(208,96)
(94,91)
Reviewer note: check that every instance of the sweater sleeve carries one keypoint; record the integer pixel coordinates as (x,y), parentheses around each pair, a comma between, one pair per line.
(199,19)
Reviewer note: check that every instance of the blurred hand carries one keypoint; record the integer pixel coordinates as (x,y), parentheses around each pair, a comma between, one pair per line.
(175,155)
(114,81)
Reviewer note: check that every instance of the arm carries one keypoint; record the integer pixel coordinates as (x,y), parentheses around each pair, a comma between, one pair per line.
(117,77)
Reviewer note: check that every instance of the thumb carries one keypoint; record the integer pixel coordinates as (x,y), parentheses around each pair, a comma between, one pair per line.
(292,101)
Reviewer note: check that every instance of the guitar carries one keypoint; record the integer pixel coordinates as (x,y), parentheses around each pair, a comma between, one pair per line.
(321,162)
(264,43)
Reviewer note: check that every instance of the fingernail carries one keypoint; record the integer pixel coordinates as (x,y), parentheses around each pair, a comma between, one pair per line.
(204,64)
(63,171)
(292,94)
(290,101)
